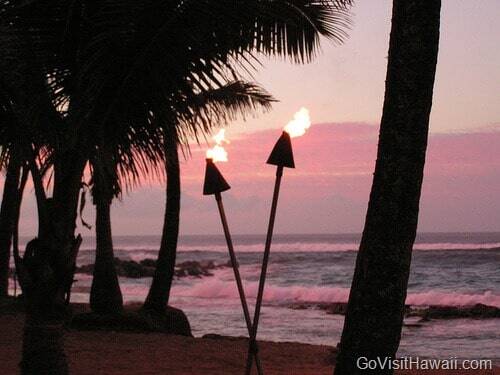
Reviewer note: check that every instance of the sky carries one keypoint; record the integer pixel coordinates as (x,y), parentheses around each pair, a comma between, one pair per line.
(344,89)
(346,83)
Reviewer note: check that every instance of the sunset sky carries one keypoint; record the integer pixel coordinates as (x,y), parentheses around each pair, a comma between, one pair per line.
(344,89)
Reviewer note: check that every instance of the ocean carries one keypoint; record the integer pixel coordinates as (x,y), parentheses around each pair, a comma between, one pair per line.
(447,269)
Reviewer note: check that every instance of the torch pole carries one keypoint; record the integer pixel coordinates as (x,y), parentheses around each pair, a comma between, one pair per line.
(252,347)
(237,276)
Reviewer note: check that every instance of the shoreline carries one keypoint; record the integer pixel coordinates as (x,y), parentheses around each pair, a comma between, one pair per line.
(127,353)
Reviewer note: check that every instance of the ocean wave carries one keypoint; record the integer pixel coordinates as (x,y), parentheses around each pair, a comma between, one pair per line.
(221,289)
(452,299)
(303,247)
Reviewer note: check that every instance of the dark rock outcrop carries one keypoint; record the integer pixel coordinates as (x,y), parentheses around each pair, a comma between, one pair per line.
(172,321)
(478,311)
(335,308)
(426,313)
(146,268)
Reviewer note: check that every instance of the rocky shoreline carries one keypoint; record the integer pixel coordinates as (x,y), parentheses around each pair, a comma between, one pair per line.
(146,268)
(425,313)
(199,269)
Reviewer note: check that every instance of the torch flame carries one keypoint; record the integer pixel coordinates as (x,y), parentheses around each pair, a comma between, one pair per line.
(218,153)
(299,124)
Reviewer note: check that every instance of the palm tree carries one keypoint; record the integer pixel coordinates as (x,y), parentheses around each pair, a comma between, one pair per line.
(375,310)
(7,218)
(93,85)
(250,28)
(30,38)
(187,40)
(15,182)
(219,105)
(43,282)
(138,155)
(105,293)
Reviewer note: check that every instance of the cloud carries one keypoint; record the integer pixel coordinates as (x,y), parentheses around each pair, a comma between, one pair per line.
(329,188)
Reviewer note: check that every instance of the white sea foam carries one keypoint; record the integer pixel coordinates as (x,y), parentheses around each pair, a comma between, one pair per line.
(300,247)
(217,288)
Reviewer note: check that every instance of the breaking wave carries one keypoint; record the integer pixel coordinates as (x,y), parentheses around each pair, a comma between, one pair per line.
(221,289)
(302,247)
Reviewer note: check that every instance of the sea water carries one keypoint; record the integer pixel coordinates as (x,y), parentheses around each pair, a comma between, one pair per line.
(447,269)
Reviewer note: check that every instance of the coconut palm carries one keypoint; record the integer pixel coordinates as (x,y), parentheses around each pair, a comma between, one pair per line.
(35,40)
(375,311)
(120,115)
(26,119)
(10,157)
(116,172)
(100,84)
(15,181)
(229,34)
(147,61)
(20,77)
(222,105)
(119,162)
(7,217)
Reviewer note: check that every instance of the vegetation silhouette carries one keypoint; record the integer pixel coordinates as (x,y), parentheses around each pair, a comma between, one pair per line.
(119,87)
(374,318)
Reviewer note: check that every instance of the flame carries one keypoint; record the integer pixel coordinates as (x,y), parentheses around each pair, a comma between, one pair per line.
(299,124)
(218,153)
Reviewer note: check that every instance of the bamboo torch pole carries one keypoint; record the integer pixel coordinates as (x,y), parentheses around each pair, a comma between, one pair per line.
(281,156)
(215,184)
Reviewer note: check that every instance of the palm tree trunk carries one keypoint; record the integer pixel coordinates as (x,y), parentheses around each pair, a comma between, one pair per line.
(44,286)
(43,349)
(159,291)
(105,294)
(375,312)
(47,268)
(7,221)
(17,216)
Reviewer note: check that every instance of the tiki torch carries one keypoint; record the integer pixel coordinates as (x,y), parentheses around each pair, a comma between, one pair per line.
(215,184)
(282,157)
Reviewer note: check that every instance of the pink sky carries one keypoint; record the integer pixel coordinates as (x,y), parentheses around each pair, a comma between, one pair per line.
(327,192)
(346,83)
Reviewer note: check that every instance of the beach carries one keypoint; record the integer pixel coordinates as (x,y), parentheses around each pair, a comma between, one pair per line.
(308,276)
(118,353)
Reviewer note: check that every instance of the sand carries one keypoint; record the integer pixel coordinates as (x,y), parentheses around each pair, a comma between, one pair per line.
(114,353)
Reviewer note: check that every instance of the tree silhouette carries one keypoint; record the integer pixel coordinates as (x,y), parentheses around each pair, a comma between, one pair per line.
(375,310)
(112,80)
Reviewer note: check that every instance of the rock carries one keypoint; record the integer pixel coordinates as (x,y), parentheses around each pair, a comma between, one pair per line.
(299,306)
(478,311)
(146,268)
(132,269)
(148,262)
(336,308)
(86,268)
(485,311)
(215,336)
(194,268)
(173,321)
